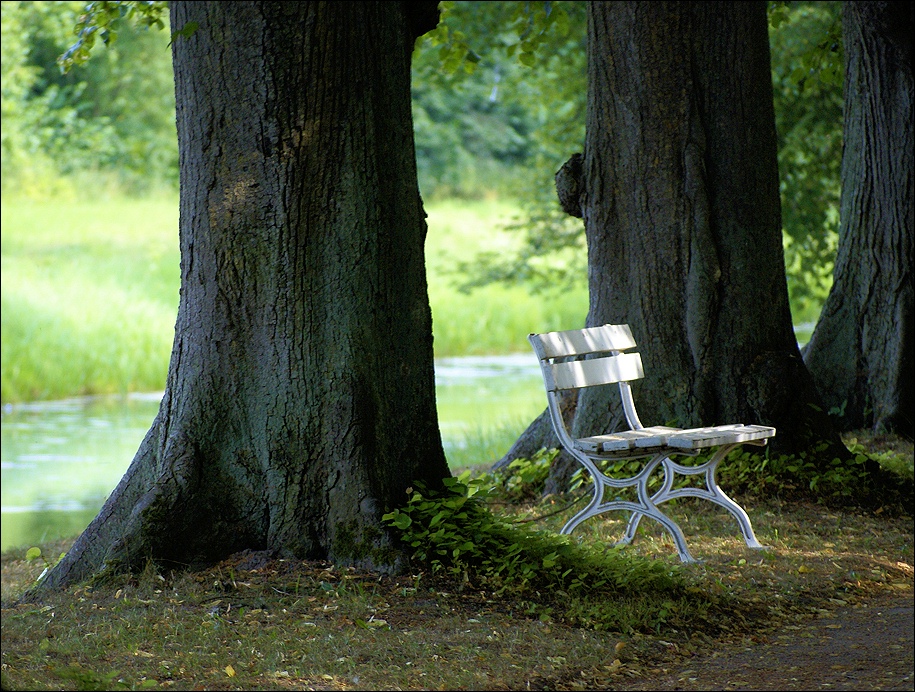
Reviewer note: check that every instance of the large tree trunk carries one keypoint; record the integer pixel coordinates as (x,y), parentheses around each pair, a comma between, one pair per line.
(861,352)
(681,208)
(300,399)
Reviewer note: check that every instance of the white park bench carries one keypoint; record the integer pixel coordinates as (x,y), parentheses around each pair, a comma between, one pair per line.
(608,364)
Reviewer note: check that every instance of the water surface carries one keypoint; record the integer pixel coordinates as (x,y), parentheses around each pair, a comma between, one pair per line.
(61,459)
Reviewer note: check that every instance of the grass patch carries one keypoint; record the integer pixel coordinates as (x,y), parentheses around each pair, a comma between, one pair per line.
(482,446)
(89,297)
(90,293)
(259,622)
(280,624)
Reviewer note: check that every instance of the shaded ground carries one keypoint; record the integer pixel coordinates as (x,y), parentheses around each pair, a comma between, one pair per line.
(829,606)
(868,646)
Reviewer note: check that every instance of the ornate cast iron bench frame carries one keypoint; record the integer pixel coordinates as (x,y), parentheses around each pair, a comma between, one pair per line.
(608,364)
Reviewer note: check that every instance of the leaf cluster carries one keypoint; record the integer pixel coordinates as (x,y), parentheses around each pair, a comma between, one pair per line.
(793,476)
(807,74)
(517,30)
(100,21)
(35,553)
(111,122)
(822,58)
(524,480)
(495,87)
(860,481)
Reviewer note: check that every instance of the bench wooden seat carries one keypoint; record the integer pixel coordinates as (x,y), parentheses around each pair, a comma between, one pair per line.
(607,363)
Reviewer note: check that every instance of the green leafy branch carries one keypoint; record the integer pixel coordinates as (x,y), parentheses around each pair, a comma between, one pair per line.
(824,60)
(100,22)
(531,26)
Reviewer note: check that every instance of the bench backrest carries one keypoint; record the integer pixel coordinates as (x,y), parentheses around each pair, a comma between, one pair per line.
(617,367)
(579,342)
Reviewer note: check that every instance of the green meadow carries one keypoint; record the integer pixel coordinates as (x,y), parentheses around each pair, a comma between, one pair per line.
(90,293)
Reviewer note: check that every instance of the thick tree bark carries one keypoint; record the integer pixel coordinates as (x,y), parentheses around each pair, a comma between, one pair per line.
(681,208)
(300,400)
(861,352)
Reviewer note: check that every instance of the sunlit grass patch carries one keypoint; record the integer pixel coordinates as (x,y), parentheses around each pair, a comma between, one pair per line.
(497,319)
(482,446)
(89,297)
(64,338)
(90,293)
(493,318)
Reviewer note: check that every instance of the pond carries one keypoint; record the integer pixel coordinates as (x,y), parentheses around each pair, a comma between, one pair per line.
(61,459)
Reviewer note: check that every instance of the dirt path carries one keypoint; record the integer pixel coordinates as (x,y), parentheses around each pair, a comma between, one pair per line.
(863,647)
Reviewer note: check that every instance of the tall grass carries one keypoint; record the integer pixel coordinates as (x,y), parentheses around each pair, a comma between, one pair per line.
(90,293)
(89,296)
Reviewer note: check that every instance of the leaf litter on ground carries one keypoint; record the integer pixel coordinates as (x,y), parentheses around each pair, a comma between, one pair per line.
(258,621)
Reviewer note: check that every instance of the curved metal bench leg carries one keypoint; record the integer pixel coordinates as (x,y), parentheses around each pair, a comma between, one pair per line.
(633,525)
(644,507)
(655,513)
(672,528)
(637,511)
(719,497)
(588,510)
(712,492)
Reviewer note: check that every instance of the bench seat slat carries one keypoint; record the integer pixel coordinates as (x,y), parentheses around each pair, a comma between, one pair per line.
(677,438)
(698,438)
(628,439)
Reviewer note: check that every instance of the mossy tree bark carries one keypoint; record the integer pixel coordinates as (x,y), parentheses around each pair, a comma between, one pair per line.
(862,351)
(300,400)
(680,201)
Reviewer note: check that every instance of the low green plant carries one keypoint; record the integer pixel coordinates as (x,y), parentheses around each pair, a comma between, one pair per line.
(833,481)
(90,680)
(524,480)
(802,476)
(34,553)
(456,536)
(896,461)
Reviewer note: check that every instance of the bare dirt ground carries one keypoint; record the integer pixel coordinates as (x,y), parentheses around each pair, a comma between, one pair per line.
(868,646)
